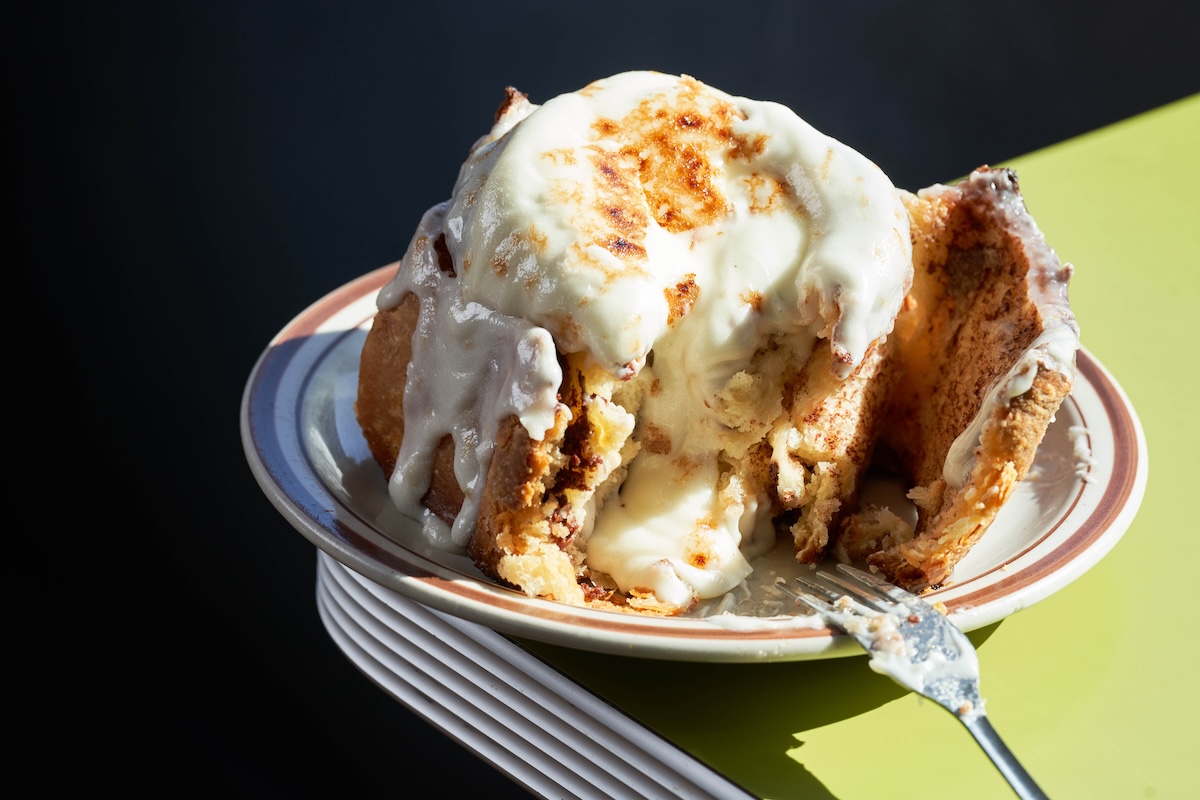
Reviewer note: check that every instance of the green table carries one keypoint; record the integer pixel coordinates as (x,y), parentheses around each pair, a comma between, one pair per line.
(1090,687)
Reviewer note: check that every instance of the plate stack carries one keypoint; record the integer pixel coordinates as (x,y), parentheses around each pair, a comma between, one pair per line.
(501,701)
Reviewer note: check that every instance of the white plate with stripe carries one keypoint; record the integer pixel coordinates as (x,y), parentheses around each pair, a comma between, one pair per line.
(305,449)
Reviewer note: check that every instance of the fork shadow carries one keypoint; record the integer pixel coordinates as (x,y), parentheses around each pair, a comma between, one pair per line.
(744,720)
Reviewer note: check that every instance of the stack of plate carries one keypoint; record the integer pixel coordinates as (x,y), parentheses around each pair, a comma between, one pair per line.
(500,701)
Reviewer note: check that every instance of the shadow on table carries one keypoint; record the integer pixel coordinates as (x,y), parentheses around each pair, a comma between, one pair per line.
(744,720)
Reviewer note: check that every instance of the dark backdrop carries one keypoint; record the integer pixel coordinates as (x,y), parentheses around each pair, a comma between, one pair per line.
(187,177)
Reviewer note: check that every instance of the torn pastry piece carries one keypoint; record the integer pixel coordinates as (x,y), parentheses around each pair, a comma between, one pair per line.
(985,351)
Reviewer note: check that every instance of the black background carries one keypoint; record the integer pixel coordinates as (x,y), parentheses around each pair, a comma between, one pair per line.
(186,178)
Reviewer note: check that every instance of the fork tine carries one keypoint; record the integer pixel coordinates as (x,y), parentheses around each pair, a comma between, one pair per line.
(878,585)
(816,603)
(831,586)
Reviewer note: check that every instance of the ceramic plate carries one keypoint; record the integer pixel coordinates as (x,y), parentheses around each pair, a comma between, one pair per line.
(304,447)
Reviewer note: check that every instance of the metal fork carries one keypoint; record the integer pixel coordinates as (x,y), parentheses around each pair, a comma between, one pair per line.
(918,647)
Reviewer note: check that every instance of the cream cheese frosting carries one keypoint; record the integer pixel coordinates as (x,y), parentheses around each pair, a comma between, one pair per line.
(667,230)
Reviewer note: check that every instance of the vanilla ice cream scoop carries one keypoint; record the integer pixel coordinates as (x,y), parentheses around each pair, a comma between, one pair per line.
(587,212)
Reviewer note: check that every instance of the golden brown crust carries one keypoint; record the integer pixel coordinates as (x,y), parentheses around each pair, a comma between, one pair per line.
(957,519)
(383,365)
(975,309)
(971,317)
(445,496)
(512,496)
(537,494)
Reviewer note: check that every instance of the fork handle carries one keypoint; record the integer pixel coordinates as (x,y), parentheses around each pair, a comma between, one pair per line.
(1003,758)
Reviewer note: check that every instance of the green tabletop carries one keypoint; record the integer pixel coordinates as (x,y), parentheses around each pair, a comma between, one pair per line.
(1091,687)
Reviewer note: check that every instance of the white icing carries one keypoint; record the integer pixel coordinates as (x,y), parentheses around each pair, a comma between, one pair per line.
(471,367)
(1081,448)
